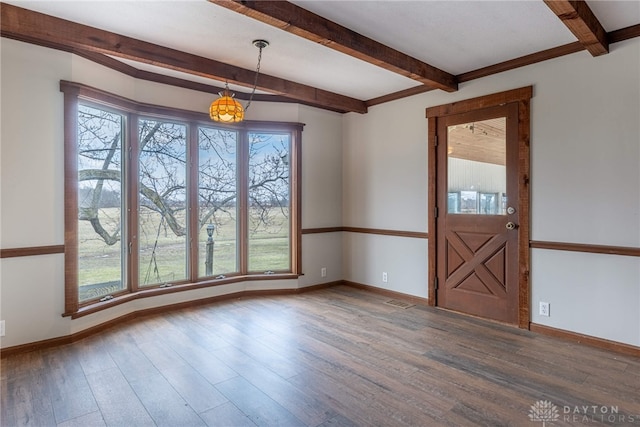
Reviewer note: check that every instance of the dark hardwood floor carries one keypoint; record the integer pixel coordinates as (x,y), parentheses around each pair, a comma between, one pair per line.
(334,357)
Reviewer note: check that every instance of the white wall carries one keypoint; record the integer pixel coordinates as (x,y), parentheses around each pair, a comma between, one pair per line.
(585,187)
(32,158)
(32,185)
(404,260)
(321,194)
(590,294)
(385,167)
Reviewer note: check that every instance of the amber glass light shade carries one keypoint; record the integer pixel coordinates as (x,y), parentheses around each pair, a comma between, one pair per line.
(226,109)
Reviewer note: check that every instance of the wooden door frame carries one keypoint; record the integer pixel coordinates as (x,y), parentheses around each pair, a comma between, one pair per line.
(522,96)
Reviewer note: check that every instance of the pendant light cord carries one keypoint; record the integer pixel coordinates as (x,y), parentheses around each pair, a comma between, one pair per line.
(260,44)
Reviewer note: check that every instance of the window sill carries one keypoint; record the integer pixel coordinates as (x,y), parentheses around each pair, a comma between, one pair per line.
(97,306)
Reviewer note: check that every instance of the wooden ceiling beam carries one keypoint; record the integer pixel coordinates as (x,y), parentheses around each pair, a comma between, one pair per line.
(303,23)
(38,28)
(581,21)
(137,73)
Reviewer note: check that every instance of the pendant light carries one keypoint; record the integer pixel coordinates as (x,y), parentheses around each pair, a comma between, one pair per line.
(227,109)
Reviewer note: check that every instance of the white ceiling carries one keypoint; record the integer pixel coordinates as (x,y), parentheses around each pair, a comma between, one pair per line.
(455,36)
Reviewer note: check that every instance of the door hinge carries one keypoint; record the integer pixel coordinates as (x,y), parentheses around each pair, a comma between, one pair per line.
(435,212)
(435,140)
(435,283)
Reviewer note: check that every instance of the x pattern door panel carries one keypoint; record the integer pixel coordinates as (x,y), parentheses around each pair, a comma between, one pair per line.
(477,181)
(475,263)
(476,269)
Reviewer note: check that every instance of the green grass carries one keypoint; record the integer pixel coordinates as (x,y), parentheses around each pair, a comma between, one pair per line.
(162,255)
(270,253)
(100,264)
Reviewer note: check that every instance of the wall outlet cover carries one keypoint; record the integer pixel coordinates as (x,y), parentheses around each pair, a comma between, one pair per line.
(544,309)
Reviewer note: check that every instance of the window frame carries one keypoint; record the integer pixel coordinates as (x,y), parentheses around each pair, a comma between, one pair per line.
(132,111)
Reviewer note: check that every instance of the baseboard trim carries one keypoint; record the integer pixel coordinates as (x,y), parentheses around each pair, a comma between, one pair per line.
(601,343)
(386,292)
(589,340)
(69,339)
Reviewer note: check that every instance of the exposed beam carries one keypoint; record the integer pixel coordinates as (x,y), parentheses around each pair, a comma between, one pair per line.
(581,21)
(522,61)
(534,58)
(34,27)
(137,73)
(296,20)
(398,95)
(624,34)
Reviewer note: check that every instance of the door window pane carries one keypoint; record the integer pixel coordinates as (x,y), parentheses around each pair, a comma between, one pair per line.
(453,203)
(162,207)
(489,204)
(476,164)
(269,201)
(99,202)
(468,202)
(217,202)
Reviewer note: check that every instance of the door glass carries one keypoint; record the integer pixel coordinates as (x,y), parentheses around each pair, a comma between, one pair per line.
(476,164)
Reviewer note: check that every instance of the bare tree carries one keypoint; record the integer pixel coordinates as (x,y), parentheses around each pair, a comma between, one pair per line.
(268,179)
(162,168)
(217,186)
(99,164)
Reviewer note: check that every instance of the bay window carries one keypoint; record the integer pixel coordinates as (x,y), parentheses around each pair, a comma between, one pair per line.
(160,199)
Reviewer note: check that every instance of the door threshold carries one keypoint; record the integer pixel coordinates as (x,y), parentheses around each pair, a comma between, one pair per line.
(475,316)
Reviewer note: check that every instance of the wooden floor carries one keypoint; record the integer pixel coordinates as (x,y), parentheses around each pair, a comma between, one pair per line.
(334,357)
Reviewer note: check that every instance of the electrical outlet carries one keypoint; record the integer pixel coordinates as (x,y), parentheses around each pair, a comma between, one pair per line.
(323,272)
(544,309)
(1,328)
(385,277)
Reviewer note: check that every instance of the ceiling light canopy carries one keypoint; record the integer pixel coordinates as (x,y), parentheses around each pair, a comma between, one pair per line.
(227,109)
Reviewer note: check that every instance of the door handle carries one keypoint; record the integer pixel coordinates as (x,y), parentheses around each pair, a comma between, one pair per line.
(511,226)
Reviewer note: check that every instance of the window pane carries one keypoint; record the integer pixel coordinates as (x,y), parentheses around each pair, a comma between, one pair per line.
(476,162)
(217,202)
(99,203)
(269,197)
(162,210)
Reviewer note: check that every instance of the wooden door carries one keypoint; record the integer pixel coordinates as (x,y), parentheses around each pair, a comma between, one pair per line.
(477,220)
